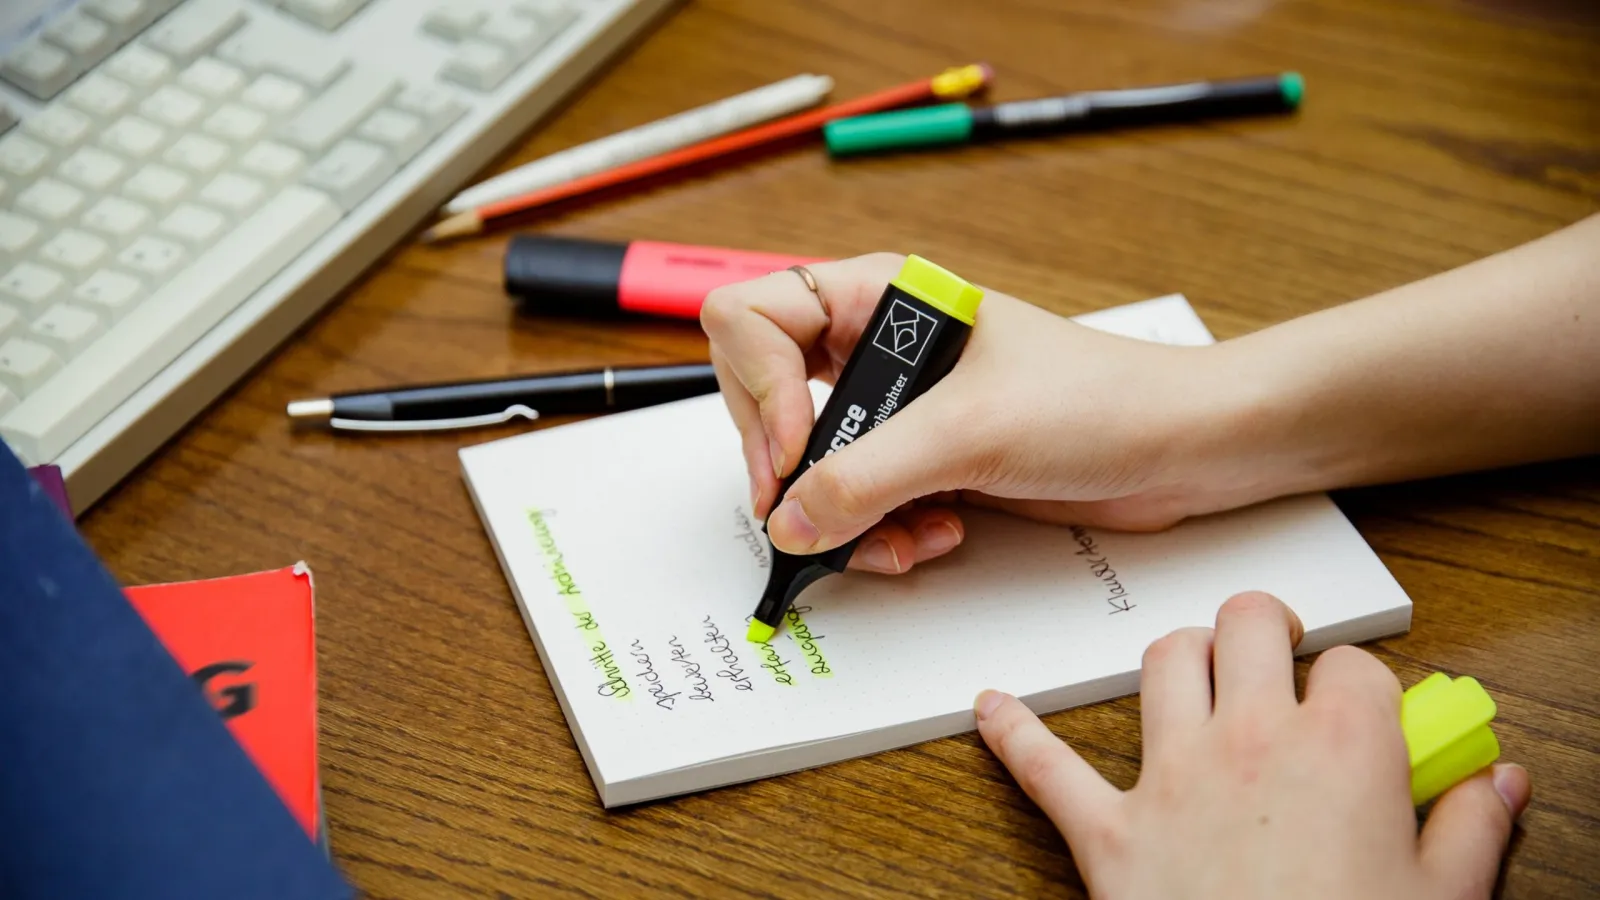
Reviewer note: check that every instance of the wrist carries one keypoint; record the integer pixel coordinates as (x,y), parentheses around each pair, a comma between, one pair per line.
(1247,435)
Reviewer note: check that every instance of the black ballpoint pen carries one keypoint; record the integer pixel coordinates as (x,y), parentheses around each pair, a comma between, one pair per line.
(467,404)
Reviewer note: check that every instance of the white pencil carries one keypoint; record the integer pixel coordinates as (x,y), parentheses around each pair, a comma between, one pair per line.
(671,133)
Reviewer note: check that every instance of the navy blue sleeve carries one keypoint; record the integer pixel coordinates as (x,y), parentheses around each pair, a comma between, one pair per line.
(117,779)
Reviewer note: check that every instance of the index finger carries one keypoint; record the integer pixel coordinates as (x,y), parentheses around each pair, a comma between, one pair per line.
(747,418)
(1076,798)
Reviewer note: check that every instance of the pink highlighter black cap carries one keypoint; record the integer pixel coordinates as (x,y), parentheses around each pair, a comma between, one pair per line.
(564,276)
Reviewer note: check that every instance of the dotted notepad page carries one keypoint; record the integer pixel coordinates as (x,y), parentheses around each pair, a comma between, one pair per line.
(630,545)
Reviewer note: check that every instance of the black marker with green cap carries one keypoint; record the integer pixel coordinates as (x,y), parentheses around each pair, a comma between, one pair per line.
(913,339)
(957,123)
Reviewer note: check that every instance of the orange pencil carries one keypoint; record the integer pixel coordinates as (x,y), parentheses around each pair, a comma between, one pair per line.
(952,84)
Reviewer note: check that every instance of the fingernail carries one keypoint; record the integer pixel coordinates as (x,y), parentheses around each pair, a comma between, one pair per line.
(1511,783)
(755,497)
(879,554)
(790,529)
(940,537)
(988,702)
(777,458)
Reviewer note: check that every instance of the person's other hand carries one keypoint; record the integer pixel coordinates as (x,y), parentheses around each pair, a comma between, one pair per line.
(1245,793)
(1041,417)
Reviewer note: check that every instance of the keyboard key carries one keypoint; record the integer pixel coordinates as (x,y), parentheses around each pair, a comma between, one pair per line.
(212,78)
(478,65)
(66,329)
(7,118)
(100,95)
(350,172)
(24,365)
(86,39)
(117,218)
(239,124)
(172,106)
(75,252)
(402,134)
(8,400)
(92,168)
(329,14)
(50,200)
(433,106)
(38,68)
(22,156)
(454,21)
(17,233)
(198,154)
(12,321)
(555,15)
(126,17)
(274,94)
(30,286)
(256,53)
(155,331)
(234,193)
(519,34)
(140,67)
(338,110)
(133,137)
(193,29)
(152,256)
(195,225)
(315,72)
(157,186)
(59,125)
(109,293)
(248,49)
(272,162)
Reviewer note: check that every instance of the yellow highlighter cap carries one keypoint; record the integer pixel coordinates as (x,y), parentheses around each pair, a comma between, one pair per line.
(938,288)
(961,81)
(1446,724)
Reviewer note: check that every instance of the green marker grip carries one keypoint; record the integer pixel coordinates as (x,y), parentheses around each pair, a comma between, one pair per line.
(928,126)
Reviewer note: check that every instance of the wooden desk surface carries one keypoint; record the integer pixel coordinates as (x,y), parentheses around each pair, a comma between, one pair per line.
(1433,133)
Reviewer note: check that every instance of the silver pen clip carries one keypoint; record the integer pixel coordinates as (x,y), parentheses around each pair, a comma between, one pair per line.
(505,415)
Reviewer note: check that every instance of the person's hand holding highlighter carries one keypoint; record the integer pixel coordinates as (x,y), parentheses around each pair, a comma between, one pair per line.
(1493,364)
(1040,416)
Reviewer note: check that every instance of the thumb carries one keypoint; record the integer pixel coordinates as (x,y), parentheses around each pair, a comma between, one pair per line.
(912,454)
(1469,826)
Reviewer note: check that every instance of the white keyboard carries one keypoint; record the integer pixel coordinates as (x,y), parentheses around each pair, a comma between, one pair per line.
(184,182)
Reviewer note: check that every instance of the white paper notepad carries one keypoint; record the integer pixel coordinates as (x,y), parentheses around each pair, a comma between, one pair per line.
(629,544)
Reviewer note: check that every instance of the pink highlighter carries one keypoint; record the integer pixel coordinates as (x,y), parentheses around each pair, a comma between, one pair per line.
(576,277)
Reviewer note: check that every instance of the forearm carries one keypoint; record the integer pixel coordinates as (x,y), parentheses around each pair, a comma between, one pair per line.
(1492,364)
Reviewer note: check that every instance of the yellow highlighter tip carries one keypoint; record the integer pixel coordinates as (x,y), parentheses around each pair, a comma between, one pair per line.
(760,632)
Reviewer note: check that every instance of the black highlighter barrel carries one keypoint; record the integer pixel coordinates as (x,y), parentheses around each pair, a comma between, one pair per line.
(915,336)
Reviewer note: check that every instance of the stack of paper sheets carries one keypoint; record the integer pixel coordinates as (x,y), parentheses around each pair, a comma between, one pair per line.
(631,549)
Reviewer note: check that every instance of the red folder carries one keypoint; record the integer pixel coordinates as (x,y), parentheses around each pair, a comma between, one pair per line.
(248,642)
